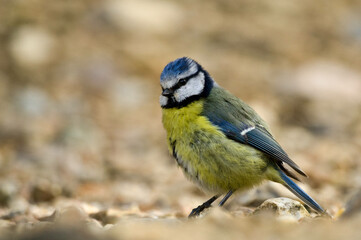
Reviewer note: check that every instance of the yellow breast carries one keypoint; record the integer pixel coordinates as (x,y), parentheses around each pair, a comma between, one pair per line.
(206,155)
(181,123)
(187,135)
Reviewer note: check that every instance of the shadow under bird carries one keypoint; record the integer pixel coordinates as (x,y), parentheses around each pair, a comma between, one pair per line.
(217,139)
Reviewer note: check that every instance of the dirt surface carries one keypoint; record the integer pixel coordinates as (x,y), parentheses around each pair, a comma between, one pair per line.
(82,148)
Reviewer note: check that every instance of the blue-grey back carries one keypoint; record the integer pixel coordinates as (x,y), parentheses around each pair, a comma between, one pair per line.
(222,104)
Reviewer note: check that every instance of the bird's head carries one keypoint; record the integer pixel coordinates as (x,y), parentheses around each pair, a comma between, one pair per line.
(183,81)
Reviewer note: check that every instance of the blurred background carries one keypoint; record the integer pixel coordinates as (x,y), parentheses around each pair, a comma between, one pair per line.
(79,87)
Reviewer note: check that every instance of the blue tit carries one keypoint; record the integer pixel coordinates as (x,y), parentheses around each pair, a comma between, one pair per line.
(217,139)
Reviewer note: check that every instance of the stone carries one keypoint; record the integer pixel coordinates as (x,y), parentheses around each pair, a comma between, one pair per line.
(284,208)
(143,16)
(71,214)
(32,46)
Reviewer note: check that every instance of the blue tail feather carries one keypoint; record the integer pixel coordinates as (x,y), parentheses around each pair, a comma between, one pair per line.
(300,193)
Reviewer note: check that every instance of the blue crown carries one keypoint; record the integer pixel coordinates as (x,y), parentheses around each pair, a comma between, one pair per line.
(175,68)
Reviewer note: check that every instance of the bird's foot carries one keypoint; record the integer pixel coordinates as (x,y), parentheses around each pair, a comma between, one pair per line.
(198,210)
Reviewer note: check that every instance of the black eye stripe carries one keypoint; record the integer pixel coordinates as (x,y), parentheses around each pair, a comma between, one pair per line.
(183,81)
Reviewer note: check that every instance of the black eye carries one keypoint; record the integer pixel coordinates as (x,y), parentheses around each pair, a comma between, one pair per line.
(182,81)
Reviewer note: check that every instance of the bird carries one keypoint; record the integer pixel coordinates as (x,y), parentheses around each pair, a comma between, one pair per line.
(219,141)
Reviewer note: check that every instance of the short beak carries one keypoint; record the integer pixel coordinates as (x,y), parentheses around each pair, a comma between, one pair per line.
(167,92)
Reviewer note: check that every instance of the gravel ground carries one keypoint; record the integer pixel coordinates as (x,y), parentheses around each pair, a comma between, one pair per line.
(82,148)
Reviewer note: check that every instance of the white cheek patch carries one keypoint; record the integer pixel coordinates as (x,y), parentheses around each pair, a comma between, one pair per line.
(193,87)
(163,100)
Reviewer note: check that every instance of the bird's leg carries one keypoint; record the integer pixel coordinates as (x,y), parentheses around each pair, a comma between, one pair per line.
(225,198)
(196,211)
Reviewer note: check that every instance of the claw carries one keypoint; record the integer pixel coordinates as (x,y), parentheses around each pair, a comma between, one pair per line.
(196,211)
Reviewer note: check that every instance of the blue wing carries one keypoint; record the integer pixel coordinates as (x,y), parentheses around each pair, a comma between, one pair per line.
(259,138)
